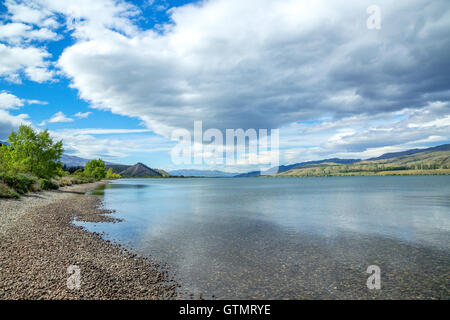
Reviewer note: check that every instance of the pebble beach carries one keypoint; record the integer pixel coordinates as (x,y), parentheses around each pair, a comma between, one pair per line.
(38,242)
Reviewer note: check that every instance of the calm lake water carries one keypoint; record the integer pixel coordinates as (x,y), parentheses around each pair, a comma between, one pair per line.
(289,238)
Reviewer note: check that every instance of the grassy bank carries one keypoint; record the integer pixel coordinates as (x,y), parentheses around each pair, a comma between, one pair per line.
(423,163)
(326,172)
(14,185)
(30,162)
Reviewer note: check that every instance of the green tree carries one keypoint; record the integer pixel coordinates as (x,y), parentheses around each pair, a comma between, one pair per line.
(95,169)
(111,175)
(33,152)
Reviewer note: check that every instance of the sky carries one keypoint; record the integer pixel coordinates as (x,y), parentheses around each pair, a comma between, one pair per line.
(114,79)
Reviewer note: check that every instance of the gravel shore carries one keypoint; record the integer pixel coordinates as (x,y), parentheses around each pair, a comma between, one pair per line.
(38,242)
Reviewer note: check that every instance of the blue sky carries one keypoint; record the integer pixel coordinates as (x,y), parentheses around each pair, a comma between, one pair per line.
(114,79)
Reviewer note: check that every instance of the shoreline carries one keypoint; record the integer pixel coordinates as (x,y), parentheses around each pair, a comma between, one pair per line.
(38,242)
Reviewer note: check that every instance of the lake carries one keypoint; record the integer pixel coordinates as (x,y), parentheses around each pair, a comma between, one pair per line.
(289,238)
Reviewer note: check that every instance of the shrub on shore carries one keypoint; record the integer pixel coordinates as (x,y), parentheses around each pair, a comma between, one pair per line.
(21,183)
(95,169)
(12,185)
(73,179)
(7,192)
(48,185)
(111,175)
(31,163)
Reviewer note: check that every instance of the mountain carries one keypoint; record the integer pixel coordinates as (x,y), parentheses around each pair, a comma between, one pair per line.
(202,173)
(117,168)
(434,160)
(405,162)
(282,169)
(140,170)
(73,161)
(163,173)
(248,174)
(444,147)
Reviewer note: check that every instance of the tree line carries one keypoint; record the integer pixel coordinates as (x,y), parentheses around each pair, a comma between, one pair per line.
(31,162)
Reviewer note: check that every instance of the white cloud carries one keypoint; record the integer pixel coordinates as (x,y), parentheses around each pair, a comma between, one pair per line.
(92,143)
(82,115)
(10,122)
(89,18)
(94,131)
(59,117)
(366,136)
(30,60)
(13,30)
(27,11)
(23,23)
(17,33)
(10,101)
(56,118)
(37,20)
(442,122)
(286,62)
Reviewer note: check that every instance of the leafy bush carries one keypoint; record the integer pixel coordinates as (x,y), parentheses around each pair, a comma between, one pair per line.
(61,173)
(20,182)
(111,175)
(95,169)
(7,192)
(48,185)
(78,173)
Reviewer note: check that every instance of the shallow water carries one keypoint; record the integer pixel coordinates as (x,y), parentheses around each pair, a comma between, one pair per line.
(289,238)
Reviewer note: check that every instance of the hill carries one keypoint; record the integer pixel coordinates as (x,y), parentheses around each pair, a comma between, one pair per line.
(434,160)
(117,168)
(74,161)
(248,174)
(286,168)
(163,173)
(137,170)
(140,170)
(444,147)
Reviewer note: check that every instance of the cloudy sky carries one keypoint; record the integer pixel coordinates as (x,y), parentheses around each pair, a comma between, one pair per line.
(113,79)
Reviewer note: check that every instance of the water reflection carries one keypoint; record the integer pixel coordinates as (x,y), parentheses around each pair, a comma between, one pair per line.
(289,238)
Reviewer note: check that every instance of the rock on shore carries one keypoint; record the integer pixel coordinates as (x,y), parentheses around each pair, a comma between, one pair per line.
(38,242)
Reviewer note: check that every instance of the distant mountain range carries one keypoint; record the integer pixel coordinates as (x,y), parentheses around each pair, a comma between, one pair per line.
(202,173)
(295,165)
(415,159)
(73,161)
(435,160)
(444,147)
(134,171)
